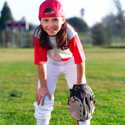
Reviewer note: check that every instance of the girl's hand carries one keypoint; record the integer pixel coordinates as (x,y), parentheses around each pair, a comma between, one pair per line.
(41,93)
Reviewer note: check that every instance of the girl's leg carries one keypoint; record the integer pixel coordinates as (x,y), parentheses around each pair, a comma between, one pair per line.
(70,73)
(87,122)
(42,122)
(43,113)
(71,77)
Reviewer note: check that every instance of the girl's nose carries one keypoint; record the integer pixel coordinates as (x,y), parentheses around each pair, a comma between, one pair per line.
(51,24)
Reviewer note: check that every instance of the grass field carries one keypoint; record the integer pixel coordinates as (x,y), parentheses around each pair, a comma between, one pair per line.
(105,73)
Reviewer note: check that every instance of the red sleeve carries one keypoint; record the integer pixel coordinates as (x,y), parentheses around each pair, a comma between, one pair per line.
(40,54)
(76,48)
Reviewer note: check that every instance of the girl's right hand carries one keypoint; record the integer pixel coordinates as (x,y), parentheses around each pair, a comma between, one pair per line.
(41,93)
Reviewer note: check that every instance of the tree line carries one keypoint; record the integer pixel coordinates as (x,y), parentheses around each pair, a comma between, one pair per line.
(102,33)
(111,27)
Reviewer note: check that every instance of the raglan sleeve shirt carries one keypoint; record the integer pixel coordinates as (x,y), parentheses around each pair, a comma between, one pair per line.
(74,44)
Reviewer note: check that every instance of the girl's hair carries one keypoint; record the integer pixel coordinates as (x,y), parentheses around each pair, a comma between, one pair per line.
(61,36)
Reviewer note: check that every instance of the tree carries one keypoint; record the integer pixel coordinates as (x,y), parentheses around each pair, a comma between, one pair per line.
(109,24)
(99,35)
(5,15)
(120,19)
(78,23)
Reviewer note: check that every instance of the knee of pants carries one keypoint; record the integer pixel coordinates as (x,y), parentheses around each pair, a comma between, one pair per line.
(44,112)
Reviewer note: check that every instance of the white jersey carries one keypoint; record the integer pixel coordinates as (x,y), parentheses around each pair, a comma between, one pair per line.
(57,53)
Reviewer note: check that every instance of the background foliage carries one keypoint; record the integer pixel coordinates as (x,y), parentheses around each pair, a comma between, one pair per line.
(78,23)
(5,15)
(104,33)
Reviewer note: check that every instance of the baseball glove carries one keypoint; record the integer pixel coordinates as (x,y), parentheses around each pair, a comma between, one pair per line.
(81,103)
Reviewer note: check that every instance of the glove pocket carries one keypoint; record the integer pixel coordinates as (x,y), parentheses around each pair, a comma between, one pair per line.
(75,108)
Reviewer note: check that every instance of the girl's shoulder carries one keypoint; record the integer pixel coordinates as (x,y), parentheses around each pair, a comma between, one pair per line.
(70,32)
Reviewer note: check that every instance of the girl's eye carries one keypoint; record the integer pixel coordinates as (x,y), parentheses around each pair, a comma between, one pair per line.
(45,20)
(55,19)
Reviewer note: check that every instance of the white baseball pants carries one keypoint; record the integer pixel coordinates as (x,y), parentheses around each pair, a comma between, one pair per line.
(54,69)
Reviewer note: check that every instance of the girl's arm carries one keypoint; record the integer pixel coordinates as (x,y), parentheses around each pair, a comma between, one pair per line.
(80,72)
(43,90)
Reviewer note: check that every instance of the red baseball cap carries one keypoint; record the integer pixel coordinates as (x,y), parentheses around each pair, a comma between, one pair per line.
(53,4)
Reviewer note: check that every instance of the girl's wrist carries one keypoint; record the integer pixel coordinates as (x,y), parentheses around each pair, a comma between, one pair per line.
(44,86)
(79,83)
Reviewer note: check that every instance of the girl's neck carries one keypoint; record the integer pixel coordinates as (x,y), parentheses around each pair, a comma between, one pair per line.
(52,36)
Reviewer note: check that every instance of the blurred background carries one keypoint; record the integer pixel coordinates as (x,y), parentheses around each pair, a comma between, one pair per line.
(97,22)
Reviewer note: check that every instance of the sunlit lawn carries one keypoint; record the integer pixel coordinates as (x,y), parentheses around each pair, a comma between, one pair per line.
(105,73)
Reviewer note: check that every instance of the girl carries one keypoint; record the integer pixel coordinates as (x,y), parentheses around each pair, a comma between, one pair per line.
(57,49)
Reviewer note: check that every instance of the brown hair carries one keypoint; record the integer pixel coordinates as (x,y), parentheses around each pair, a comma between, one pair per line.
(61,36)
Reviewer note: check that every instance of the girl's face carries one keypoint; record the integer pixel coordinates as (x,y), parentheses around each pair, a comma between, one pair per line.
(52,25)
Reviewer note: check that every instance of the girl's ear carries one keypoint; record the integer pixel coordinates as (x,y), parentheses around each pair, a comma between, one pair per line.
(63,20)
(40,21)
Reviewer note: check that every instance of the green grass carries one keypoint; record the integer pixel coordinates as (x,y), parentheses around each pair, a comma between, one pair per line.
(105,73)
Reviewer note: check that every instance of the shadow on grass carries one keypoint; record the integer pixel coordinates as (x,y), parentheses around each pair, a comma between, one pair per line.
(15,94)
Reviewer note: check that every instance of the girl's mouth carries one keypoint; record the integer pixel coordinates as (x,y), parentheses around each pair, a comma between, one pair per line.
(51,30)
